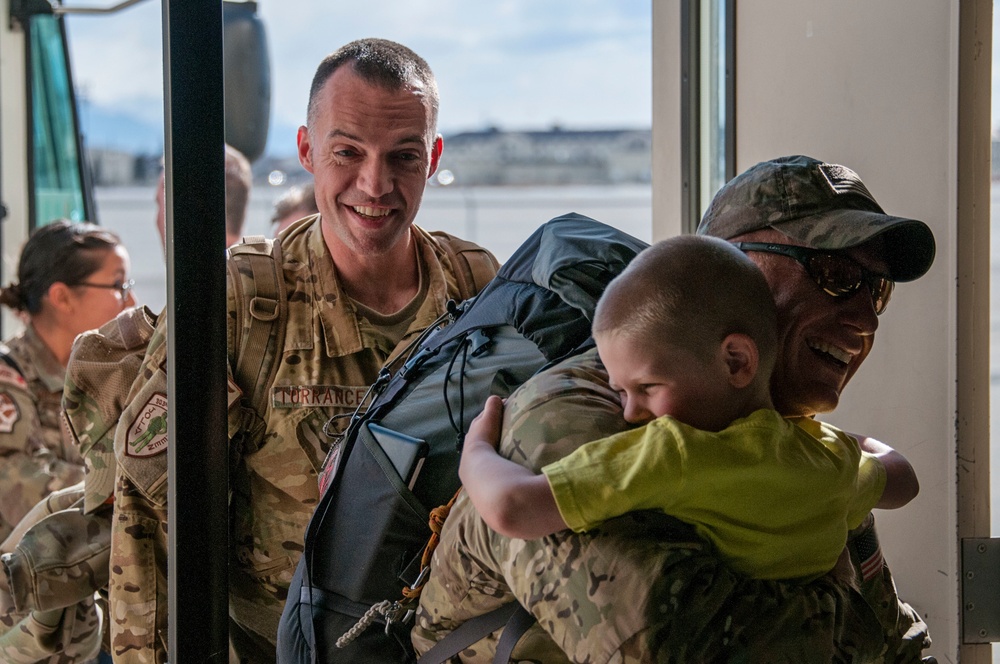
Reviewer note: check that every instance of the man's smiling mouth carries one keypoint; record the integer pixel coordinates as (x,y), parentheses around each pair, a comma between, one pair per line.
(831,352)
(371,211)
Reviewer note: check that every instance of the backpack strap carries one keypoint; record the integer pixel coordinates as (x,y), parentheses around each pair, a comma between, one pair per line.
(9,360)
(514,619)
(262,302)
(520,622)
(474,266)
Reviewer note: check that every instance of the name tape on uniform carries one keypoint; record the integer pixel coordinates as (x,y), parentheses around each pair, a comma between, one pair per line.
(317,396)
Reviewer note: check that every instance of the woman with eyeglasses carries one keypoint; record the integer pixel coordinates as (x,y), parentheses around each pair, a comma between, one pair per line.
(71,277)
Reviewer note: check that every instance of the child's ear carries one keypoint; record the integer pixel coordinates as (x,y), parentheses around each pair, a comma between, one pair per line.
(739,352)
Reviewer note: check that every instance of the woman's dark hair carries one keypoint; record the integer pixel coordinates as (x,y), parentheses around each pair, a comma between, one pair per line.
(61,251)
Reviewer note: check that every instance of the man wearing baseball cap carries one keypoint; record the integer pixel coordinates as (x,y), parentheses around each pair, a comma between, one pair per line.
(640,589)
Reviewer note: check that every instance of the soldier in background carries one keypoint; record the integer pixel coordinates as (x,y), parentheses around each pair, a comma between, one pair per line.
(70,278)
(239,181)
(642,588)
(58,556)
(296,203)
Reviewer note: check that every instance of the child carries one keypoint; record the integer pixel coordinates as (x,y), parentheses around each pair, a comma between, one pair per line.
(687,335)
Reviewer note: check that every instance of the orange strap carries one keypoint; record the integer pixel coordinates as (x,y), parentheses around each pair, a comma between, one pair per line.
(438,516)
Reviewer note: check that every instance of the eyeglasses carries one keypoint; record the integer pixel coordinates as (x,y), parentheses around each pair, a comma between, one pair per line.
(123,287)
(837,274)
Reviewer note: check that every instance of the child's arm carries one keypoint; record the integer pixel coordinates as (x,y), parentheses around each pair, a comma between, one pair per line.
(901,485)
(511,499)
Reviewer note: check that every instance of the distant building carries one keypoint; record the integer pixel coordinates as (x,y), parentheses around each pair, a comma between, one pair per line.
(117,168)
(553,157)
(492,157)
(112,168)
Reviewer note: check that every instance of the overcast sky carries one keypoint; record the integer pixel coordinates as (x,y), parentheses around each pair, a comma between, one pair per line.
(516,64)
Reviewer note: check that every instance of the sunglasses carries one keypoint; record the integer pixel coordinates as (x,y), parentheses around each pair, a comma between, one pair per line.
(837,274)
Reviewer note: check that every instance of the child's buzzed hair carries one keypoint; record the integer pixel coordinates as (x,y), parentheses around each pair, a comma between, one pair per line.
(692,291)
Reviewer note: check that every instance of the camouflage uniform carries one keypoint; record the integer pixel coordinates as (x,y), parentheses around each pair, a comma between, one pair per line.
(36,456)
(641,588)
(46,570)
(57,558)
(330,357)
(137,589)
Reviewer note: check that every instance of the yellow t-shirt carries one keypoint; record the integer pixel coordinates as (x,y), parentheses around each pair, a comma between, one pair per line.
(776,497)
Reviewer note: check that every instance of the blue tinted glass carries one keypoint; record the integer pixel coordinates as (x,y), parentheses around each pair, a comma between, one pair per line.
(58,188)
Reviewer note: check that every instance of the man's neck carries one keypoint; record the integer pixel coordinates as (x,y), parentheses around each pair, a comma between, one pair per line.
(385,282)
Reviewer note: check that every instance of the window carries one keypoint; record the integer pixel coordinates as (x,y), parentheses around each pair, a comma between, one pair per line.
(57,189)
(708,143)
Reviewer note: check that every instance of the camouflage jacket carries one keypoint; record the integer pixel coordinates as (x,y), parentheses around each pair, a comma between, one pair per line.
(330,356)
(57,557)
(641,588)
(48,607)
(102,367)
(36,456)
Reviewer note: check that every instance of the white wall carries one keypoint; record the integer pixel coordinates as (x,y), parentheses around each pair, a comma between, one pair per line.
(872,85)
(13,148)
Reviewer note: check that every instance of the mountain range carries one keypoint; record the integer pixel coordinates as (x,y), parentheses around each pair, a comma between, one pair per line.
(111,129)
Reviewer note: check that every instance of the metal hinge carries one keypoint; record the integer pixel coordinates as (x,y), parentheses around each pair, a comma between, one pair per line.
(980,598)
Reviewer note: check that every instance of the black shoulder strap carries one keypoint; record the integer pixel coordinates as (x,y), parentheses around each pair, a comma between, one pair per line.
(260,300)
(6,358)
(511,616)
(519,623)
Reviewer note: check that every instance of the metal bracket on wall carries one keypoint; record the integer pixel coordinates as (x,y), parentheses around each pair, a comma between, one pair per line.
(980,599)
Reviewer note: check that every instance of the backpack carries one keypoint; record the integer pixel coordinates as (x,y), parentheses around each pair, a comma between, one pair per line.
(262,301)
(365,545)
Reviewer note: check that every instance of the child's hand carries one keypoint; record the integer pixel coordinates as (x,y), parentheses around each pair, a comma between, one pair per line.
(486,426)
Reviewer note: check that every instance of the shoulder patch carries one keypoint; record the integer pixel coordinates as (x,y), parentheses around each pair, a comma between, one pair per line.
(9,413)
(11,377)
(147,434)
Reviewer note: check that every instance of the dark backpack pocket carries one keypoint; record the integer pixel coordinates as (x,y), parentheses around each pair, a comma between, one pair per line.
(372,529)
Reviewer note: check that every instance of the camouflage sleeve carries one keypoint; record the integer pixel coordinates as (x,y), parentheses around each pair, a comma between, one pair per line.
(52,503)
(641,588)
(904,631)
(29,470)
(54,637)
(137,589)
(61,560)
(102,367)
(71,627)
(467,578)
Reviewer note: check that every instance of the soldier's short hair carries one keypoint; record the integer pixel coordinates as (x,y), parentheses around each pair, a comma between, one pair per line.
(691,291)
(381,62)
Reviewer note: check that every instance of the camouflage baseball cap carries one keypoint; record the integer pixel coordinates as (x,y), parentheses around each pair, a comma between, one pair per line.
(824,206)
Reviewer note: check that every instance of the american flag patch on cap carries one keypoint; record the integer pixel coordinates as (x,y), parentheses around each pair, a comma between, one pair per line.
(845,181)
(869,553)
